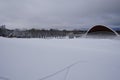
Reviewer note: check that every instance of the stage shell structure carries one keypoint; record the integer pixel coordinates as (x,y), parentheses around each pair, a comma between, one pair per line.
(101,31)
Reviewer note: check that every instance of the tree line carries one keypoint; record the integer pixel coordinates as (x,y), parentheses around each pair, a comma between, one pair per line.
(39,33)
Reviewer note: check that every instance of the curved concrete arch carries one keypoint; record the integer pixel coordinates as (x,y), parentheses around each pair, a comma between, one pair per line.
(101,28)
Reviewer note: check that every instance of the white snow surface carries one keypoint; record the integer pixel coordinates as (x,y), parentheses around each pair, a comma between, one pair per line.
(34,59)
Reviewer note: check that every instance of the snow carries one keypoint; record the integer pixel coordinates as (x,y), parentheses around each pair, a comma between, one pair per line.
(34,59)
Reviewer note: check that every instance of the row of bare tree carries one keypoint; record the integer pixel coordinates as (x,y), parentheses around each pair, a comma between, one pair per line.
(39,33)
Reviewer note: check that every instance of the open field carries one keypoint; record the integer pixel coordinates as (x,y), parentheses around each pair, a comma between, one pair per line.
(33,59)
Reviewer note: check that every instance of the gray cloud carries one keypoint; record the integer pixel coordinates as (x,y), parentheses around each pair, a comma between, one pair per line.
(59,13)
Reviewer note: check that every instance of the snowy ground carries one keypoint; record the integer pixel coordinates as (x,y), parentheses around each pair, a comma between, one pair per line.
(33,59)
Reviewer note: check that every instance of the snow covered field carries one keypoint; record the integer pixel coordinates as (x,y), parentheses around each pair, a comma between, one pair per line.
(34,59)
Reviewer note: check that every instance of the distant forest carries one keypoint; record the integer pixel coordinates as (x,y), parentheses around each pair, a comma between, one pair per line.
(40,33)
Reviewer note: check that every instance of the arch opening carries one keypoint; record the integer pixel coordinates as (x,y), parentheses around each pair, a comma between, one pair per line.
(101,31)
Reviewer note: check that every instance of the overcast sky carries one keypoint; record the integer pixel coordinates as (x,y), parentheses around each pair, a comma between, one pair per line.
(69,14)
